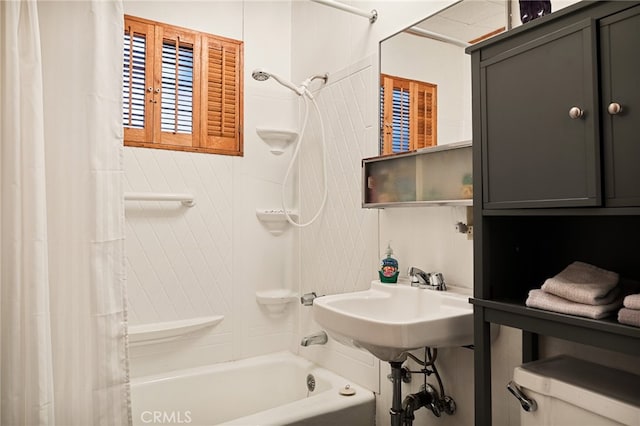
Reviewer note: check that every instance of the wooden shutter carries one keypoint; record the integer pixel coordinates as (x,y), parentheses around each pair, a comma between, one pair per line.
(396,116)
(423,115)
(408,115)
(223,95)
(182,89)
(137,77)
(176,75)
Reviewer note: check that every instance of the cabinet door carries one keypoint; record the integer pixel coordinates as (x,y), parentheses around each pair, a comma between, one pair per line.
(534,154)
(620,62)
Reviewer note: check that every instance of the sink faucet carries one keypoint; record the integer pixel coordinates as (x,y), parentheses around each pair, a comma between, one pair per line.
(418,277)
(431,280)
(319,338)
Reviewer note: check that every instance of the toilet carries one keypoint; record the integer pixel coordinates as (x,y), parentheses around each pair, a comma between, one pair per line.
(567,391)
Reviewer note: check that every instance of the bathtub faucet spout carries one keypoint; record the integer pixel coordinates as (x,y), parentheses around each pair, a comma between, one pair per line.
(319,338)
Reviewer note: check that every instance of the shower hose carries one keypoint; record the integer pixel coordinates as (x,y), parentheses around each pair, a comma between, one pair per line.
(307,98)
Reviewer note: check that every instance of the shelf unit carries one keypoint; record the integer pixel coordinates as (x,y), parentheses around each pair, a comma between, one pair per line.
(434,176)
(275,220)
(552,188)
(277,139)
(275,301)
(145,334)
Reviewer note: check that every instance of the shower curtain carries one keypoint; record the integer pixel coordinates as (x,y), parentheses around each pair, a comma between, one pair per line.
(63,350)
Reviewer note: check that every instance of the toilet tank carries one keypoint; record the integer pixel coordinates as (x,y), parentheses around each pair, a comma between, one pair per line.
(569,391)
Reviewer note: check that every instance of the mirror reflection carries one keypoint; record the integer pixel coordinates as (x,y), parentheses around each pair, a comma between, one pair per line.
(425,81)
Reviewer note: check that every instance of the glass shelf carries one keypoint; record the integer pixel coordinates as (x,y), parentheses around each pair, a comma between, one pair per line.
(433,176)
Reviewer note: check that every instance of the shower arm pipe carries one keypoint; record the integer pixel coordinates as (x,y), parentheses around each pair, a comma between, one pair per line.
(185,199)
(372,16)
(436,36)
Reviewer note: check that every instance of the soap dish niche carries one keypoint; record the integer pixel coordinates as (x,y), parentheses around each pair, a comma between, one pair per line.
(277,139)
(275,301)
(275,220)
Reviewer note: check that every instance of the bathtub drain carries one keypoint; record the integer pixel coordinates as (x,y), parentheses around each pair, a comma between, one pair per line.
(311,383)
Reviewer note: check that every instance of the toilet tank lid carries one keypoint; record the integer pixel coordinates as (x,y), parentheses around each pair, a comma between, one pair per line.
(609,392)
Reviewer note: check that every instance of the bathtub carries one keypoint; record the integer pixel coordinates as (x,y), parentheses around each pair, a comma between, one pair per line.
(265,390)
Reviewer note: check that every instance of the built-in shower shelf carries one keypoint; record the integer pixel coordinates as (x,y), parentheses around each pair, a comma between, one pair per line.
(277,139)
(157,332)
(275,220)
(275,301)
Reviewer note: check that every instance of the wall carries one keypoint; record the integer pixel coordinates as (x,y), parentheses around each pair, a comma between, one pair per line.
(338,252)
(423,237)
(212,258)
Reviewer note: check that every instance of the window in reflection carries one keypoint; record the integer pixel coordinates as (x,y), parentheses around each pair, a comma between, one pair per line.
(408,115)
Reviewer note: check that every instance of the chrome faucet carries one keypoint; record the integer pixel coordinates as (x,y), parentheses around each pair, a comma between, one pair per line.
(307,298)
(418,277)
(431,280)
(319,338)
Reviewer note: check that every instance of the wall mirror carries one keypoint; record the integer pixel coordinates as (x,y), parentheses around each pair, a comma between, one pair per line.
(425,76)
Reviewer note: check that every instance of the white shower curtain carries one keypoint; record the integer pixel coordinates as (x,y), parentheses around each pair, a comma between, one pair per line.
(63,352)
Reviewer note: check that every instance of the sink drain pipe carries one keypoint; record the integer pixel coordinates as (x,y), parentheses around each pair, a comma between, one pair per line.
(402,412)
(396,403)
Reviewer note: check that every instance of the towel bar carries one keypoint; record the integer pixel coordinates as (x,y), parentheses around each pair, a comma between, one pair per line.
(185,199)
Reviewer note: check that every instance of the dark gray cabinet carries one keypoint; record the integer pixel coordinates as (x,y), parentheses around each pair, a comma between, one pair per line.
(619,39)
(558,109)
(550,188)
(535,153)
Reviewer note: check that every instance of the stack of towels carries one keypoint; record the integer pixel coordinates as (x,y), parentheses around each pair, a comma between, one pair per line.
(630,313)
(581,289)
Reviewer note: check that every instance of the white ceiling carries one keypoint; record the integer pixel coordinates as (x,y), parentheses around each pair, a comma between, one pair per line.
(468,19)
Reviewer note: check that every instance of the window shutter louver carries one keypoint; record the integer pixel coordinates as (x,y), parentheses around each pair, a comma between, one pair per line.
(136,77)
(424,122)
(224,90)
(177,88)
(178,51)
(134,84)
(401,116)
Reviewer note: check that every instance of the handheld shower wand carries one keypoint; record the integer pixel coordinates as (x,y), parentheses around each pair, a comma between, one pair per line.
(263,75)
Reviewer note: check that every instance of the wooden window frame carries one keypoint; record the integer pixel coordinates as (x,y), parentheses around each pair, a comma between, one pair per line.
(423,116)
(217,91)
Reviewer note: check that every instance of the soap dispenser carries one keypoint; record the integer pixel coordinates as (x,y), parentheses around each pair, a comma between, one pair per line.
(389,268)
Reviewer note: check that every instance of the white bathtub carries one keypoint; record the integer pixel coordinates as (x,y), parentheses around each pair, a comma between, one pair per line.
(265,390)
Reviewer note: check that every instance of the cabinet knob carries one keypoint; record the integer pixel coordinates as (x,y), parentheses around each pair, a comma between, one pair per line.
(614,108)
(575,112)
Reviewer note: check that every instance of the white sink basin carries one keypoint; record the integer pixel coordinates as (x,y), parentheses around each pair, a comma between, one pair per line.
(389,320)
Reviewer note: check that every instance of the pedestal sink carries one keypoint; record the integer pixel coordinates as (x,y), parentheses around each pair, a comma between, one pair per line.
(389,320)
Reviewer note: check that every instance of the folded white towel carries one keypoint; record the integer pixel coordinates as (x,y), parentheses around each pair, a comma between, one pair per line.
(632,301)
(584,283)
(549,302)
(629,316)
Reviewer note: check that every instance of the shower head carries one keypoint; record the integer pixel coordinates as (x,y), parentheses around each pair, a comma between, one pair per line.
(260,75)
(263,75)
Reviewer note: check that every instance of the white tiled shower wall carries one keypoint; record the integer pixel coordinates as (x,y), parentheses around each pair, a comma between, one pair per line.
(212,258)
(338,252)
